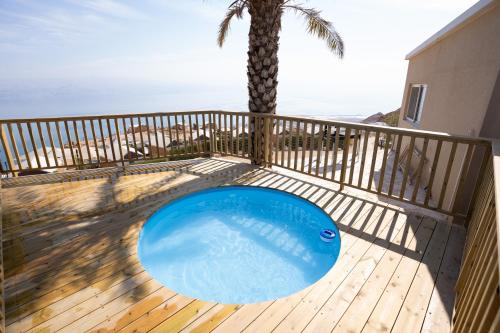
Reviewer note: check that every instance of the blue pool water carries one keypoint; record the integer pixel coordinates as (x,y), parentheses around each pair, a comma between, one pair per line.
(238,244)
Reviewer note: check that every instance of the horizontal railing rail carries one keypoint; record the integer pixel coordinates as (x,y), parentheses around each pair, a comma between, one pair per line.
(423,168)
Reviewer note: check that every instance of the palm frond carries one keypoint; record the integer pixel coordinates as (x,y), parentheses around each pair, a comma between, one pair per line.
(318,26)
(234,9)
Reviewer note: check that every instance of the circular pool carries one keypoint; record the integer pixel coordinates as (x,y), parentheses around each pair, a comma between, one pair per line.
(238,244)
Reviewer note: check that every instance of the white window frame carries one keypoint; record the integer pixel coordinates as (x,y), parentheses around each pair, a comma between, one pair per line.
(419,104)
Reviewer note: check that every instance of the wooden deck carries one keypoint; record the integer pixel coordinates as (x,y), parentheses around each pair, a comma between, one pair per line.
(71,263)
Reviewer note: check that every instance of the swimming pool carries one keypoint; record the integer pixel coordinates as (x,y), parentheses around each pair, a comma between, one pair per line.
(238,244)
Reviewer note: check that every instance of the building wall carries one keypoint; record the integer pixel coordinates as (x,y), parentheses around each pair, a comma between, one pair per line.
(460,72)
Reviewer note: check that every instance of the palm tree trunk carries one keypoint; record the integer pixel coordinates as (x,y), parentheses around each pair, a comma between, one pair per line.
(262,67)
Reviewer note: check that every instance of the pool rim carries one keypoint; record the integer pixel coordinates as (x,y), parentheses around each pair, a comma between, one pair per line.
(240,186)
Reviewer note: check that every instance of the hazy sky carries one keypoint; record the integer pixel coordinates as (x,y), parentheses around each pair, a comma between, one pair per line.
(110,56)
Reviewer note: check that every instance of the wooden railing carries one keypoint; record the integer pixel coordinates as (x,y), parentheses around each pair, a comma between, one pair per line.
(477,290)
(427,169)
(434,168)
(422,168)
(93,141)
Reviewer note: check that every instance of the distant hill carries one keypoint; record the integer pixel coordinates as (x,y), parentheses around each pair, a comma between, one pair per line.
(374,118)
(391,118)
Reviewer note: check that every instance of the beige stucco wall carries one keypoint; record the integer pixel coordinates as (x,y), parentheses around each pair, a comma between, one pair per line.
(460,72)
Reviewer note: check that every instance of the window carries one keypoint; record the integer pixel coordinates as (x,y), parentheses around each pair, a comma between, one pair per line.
(416,102)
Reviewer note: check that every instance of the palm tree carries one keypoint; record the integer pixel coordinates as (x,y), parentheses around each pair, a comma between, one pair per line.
(263,44)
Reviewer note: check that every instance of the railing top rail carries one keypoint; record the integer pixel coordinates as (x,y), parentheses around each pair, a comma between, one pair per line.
(104,116)
(387,129)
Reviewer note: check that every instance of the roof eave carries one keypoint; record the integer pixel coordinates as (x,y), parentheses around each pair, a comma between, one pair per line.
(470,14)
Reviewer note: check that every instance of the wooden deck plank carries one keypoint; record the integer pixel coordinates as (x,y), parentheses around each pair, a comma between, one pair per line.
(158,314)
(355,317)
(79,272)
(82,317)
(412,314)
(389,304)
(439,311)
(131,313)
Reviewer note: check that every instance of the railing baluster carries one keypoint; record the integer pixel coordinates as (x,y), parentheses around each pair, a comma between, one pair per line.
(6,149)
(14,146)
(70,142)
(283,142)
(184,134)
(78,145)
(34,145)
(384,163)
(51,140)
(96,143)
(86,140)
(277,141)
(319,149)
(110,137)
(218,131)
(23,143)
(395,164)
(124,123)
(353,157)
(176,124)
(311,147)
(61,143)
(407,168)
(363,157)
(163,136)
(156,138)
(231,133)
(267,143)
(290,145)
(150,143)
(198,141)
(42,142)
(258,145)
(170,136)
(225,135)
(437,154)
(335,151)
(345,156)
(419,170)
(204,124)
(118,141)
(141,136)
(327,150)
(304,147)
(103,141)
(191,148)
(447,174)
(374,159)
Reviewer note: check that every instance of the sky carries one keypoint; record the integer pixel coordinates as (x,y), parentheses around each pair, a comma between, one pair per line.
(77,57)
